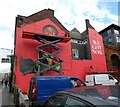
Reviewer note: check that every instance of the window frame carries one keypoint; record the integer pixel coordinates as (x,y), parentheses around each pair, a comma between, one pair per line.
(5,60)
(75,53)
(86,104)
(109,32)
(74,41)
(109,40)
(117,39)
(116,31)
(110,77)
(54,97)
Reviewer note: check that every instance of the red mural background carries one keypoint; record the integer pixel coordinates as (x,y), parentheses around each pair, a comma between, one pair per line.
(25,48)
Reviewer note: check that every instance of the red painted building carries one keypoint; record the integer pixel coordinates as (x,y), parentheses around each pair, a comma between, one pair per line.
(32,33)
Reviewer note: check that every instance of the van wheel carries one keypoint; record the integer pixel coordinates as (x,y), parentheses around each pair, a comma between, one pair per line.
(116,83)
(100,84)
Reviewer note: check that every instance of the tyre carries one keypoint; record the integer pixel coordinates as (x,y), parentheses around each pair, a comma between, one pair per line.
(116,83)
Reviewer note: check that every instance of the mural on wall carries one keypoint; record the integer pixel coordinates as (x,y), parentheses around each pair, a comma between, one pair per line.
(50,30)
(44,62)
(27,66)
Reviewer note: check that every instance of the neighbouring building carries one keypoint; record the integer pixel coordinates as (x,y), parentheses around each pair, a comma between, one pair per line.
(5,60)
(111,35)
(111,39)
(80,45)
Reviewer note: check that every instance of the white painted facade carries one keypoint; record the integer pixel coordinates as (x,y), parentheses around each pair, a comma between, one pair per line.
(5,60)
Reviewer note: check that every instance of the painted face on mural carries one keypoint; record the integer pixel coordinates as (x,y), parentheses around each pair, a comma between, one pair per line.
(50,30)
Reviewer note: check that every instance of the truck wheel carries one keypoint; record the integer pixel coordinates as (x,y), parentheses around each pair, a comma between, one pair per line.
(100,84)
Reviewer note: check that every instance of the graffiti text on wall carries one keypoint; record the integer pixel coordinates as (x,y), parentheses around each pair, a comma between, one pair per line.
(96,47)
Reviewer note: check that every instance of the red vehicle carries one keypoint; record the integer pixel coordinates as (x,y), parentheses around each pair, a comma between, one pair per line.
(43,47)
(94,96)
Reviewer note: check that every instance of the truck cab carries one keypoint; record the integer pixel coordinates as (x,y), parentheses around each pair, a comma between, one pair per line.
(42,87)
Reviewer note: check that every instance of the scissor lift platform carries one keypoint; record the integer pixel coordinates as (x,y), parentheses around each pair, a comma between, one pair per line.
(47,50)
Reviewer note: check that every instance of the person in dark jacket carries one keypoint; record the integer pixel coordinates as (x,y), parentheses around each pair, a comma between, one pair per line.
(2,83)
(6,83)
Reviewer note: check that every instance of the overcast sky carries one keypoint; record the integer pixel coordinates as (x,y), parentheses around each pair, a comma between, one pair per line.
(71,13)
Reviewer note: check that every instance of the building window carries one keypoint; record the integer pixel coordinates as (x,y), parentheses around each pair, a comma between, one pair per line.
(116,31)
(118,39)
(109,32)
(75,53)
(5,60)
(109,40)
(110,77)
(115,60)
(74,41)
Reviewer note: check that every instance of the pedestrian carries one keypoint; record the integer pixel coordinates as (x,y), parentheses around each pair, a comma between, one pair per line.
(2,83)
(6,83)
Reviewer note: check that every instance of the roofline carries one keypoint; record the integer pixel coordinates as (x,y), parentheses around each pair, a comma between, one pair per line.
(40,12)
(110,26)
(50,16)
(63,28)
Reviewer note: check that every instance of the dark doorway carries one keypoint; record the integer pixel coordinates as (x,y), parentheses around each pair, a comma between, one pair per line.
(115,60)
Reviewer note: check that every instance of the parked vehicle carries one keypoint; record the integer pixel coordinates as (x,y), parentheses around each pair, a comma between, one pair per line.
(42,87)
(89,96)
(100,79)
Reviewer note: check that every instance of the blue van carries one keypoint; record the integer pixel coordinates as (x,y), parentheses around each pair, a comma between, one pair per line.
(42,87)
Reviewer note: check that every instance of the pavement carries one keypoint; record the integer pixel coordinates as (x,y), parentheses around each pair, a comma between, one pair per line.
(6,99)
(0,97)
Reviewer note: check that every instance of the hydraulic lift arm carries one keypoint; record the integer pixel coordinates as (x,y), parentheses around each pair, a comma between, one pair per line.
(47,50)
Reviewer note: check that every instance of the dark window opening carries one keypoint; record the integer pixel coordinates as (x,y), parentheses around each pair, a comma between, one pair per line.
(75,53)
(58,101)
(81,51)
(109,40)
(72,102)
(110,77)
(5,60)
(109,32)
(115,60)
